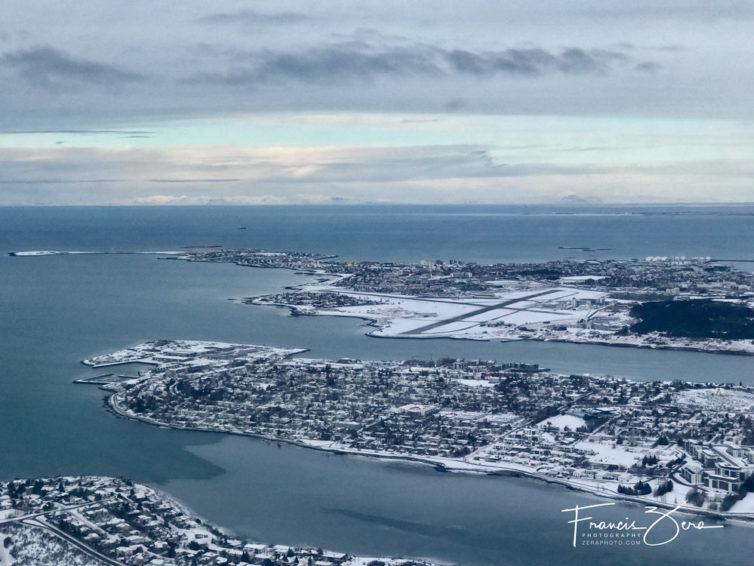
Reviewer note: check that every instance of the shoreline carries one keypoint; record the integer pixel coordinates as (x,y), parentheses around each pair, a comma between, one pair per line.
(76,514)
(44,253)
(372,322)
(441,465)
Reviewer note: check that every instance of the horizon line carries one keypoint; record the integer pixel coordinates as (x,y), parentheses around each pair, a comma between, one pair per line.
(396,204)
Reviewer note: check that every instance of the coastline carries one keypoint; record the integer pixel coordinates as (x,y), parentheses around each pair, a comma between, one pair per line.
(645,341)
(373,323)
(441,465)
(328,338)
(68,515)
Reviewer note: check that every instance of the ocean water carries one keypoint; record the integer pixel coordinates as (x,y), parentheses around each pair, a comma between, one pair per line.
(57,310)
(395,233)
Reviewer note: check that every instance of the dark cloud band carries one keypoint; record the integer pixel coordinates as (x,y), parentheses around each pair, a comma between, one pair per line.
(48,67)
(254,18)
(360,61)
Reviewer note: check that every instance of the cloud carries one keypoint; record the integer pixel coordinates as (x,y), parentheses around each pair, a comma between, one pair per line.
(51,68)
(254,18)
(534,61)
(324,65)
(215,180)
(648,67)
(34,181)
(294,174)
(285,167)
(125,133)
(360,60)
(653,10)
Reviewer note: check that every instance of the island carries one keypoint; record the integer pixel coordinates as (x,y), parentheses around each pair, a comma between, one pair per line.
(95,521)
(664,443)
(657,302)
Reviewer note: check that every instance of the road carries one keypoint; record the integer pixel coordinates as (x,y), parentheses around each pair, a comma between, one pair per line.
(41,523)
(38,520)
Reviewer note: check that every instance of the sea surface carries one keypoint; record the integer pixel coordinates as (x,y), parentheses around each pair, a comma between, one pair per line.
(57,310)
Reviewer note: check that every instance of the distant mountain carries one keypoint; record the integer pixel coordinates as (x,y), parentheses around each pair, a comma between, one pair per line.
(576,199)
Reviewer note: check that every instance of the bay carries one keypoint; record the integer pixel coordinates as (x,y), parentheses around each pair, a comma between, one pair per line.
(57,310)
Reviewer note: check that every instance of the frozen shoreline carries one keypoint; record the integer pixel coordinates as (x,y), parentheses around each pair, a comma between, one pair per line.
(80,520)
(652,341)
(564,314)
(446,465)
(41,253)
(199,354)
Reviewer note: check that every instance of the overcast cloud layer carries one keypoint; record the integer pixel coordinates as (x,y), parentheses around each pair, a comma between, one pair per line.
(428,101)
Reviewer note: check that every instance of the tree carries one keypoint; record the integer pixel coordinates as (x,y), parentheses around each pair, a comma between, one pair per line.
(729,500)
(696,497)
(664,488)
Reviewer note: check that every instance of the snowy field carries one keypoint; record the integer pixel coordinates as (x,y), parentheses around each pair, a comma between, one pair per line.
(193,352)
(536,312)
(563,421)
(468,317)
(717,399)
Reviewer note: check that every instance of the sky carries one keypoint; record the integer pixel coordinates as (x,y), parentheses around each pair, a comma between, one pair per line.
(315,102)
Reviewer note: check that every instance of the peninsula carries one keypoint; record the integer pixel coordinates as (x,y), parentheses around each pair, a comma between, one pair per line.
(96,521)
(657,302)
(664,443)
(700,304)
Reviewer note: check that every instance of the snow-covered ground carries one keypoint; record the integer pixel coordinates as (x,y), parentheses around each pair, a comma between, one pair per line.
(86,529)
(161,353)
(5,557)
(610,453)
(467,317)
(36,253)
(563,421)
(507,311)
(716,399)
(746,505)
